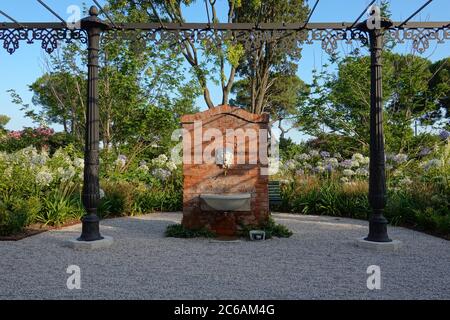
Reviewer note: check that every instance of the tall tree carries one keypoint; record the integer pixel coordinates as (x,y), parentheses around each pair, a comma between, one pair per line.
(134,78)
(270,59)
(207,62)
(283,99)
(340,103)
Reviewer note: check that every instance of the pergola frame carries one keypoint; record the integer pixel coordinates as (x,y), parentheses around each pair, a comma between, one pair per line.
(252,35)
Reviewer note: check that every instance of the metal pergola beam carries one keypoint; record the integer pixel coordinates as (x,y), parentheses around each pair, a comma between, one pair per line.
(230,26)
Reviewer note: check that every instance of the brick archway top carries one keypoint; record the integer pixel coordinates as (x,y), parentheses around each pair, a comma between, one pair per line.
(226,109)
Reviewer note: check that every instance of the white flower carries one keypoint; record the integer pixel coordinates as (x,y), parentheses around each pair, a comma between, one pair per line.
(62,155)
(400,158)
(66,174)
(8,172)
(101,193)
(161,174)
(171,166)
(364,160)
(78,163)
(357,157)
(405,181)
(314,153)
(299,172)
(333,162)
(160,161)
(290,165)
(143,168)
(39,159)
(344,179)
(44,177)
(154,145)
(355,164)
(348,172)
(121,161)
(362,172)
(163,158)
(303,157)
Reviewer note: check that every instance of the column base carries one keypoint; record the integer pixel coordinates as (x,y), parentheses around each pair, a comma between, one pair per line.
(393,245)
(76,244)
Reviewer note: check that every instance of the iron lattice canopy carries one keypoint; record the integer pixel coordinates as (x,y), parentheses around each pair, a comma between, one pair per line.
(250,35)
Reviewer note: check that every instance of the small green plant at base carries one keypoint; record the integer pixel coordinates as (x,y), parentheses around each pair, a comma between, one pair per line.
(271,228)
(179,231)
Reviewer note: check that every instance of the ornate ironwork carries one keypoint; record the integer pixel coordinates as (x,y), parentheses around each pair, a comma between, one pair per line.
(49,37)
(250,39)
(420,37)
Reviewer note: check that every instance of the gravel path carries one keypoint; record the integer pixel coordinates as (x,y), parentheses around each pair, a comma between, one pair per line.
(320,261)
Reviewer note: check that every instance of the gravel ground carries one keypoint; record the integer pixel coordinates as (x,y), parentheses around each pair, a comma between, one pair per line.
(320,261)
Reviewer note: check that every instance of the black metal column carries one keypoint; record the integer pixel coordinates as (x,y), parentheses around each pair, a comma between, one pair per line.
(377,175)
(91,185)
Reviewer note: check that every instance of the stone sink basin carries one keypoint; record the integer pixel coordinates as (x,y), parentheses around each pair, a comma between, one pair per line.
(228,202)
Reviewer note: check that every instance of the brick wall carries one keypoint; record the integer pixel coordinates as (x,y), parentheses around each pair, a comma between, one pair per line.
(210,178)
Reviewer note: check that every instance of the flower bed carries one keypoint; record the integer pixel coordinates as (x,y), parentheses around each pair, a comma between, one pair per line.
(38,188)
(418,185)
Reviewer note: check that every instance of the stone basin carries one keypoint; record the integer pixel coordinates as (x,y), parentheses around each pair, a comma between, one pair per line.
(228,202)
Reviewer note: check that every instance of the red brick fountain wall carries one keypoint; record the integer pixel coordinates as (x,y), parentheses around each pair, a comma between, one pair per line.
(202,178)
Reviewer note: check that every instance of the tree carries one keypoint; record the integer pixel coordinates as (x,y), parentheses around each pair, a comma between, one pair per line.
(340,103)
(134,77)
(256,65)
(283,99)
(262,65)
(3,121)
(439,85)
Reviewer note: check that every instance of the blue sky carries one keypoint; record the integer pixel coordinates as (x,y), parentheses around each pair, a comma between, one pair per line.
(23,67)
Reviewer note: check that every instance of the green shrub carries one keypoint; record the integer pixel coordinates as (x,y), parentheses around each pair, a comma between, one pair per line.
(59,208)
(158,200)
(118,200)
(17,213)
(271,228)
(179,231)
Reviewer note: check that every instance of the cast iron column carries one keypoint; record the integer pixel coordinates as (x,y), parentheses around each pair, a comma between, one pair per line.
(377,175)
(91,186)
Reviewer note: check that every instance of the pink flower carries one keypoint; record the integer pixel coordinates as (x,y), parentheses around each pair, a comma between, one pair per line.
(15,135)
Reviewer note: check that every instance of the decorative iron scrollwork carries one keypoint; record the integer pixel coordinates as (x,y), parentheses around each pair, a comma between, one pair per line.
(250,39)
(210,37)
(49,37)
(420,37)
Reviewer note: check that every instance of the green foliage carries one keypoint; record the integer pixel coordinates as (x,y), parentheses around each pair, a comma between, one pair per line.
(59,208)
(3,121)
(418,186)
(414,90)
(118,200)
(17,213)
(179,231)
(270,227)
